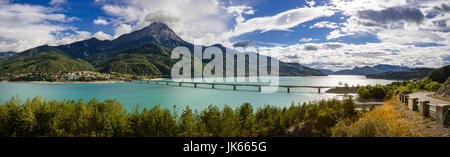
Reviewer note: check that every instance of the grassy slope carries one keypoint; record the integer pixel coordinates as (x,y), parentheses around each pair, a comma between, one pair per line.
(42,62)
(148,59)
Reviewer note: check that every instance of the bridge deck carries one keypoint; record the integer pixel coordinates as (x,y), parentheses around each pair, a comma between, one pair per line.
(248,85)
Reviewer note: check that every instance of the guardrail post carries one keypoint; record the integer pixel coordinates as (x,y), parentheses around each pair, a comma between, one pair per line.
(442,114)
(402,96)
(412,104)
(424,108)
(406,100)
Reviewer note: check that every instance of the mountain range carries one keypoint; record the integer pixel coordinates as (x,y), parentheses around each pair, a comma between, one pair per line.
(402,75)
(367,70)
(144,52)
(6,54)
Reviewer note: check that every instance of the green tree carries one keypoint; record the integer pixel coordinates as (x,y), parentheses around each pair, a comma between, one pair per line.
(187,125)
(246,119)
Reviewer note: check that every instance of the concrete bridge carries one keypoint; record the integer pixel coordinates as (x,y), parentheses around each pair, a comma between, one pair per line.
(235,85)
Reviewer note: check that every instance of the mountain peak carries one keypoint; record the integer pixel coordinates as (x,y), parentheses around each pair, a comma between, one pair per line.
(157,26)
(157,32)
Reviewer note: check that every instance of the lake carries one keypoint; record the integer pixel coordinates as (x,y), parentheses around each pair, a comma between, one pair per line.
(149,95)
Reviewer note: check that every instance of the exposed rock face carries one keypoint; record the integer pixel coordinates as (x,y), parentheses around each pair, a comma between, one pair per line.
(444,91)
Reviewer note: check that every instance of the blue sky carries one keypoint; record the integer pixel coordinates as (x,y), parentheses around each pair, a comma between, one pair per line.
(330,34)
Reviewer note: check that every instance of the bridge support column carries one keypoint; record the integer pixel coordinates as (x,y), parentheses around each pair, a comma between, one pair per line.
(212,86)
(259,88)
(179,84)
(318,89)
(234,87)
(195,85)
(289,90)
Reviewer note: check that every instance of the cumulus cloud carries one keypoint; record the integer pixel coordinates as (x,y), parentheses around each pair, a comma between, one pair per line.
(101,21)
(102,36)
(26,26)
(332,46)
(57,2)
(325,24)
(339,56)
(304,40)
(442,8)
(196,19)
(392,15)
(239,11)
(242,43)
(310,48)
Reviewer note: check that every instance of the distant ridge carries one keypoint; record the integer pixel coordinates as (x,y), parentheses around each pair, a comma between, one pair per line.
(6,54)
(367,70)
(402,75)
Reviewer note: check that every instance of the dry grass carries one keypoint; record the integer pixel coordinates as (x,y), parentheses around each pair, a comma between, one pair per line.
(383,121)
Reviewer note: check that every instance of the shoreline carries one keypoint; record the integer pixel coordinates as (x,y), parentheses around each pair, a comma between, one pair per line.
(78,82)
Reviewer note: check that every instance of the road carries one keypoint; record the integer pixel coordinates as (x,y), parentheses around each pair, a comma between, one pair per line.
(424,96)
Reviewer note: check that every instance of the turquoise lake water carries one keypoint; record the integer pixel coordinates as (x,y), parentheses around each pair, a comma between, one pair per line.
(149,95)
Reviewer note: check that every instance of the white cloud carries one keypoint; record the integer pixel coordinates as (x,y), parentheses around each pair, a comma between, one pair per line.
(122,29)
(400,21)
(325,24)
(239,11)
(339,56)
(26,26)
(101,21)
(195,19)
(306,39)
(281,21)
(57,2)
(310,3)
(102,36)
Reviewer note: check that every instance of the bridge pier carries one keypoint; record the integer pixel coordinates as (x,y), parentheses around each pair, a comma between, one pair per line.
(179,84)
(212,86)
(259,88)
(318,90)
(234,87)
(195,85)
(289,90)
